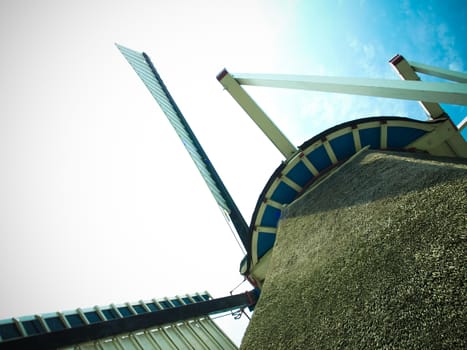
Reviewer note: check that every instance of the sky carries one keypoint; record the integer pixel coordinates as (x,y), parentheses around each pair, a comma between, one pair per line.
(99,201)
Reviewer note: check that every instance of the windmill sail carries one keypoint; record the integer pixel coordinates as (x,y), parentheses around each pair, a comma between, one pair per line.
(143,66)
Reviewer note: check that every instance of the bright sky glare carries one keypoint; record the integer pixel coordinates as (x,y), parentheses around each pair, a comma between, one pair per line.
(99,201)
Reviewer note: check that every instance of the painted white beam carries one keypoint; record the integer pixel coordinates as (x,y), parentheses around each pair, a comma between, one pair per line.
(439,72)
(407,72)
(462,125)
(452,93)
(257,114)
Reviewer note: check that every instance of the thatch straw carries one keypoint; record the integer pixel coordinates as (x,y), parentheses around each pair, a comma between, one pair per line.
(374,258)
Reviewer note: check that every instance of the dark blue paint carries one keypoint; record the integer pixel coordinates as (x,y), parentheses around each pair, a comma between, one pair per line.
(110,314)
(370,136)
(300,174)
(55,323)
(139,309)
(92,317)
(9,331)
(152,306)
(32,327)
(284,194)
(343,146)
(319,158)
(270,217)
(399,137)
(74,320)
(265,242)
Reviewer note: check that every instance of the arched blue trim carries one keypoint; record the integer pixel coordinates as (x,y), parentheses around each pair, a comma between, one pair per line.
(342,142)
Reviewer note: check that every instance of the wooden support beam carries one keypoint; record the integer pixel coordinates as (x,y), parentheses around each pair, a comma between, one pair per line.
(407,72)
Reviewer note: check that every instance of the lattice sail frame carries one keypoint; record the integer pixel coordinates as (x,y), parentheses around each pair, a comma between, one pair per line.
(143,66)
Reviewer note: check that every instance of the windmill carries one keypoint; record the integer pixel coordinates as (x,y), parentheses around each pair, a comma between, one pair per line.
(316,158)
(307,164)
(304,168)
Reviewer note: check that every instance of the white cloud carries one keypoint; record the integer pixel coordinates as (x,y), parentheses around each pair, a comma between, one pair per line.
(451,58)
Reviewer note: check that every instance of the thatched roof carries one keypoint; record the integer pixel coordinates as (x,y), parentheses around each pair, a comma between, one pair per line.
(372,258)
